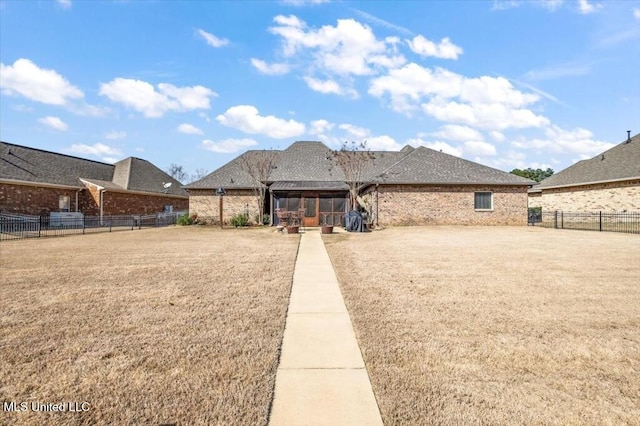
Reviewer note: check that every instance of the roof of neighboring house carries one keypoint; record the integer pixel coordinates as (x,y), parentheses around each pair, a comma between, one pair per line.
(21,163)
(314,162)
(621,162)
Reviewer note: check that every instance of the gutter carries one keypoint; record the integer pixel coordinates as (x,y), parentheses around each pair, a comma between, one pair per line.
(589,183)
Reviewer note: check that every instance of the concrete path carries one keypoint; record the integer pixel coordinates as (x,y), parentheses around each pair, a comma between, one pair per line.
(321,379)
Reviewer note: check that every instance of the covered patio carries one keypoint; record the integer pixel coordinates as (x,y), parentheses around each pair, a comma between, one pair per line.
(315,203)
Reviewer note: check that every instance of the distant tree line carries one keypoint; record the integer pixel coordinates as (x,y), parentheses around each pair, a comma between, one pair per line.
(537,174)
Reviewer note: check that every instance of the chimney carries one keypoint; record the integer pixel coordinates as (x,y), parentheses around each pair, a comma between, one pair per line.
(628,136)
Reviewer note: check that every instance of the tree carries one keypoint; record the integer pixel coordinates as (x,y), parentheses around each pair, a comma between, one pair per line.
(258,165)
(353,159)
(537,174)
(199,174)
(177,172)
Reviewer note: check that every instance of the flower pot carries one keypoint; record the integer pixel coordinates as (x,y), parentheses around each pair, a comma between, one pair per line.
(292,229)
(326,229)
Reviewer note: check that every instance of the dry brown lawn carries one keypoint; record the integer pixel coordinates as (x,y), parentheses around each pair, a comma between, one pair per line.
(497,325)
(176,325)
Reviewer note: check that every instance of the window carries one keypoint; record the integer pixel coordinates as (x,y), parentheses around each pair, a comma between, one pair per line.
(168,208)
(64,203)
(483,201)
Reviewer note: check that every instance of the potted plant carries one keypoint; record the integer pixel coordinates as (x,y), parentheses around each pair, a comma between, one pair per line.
(325,228)
(293,229)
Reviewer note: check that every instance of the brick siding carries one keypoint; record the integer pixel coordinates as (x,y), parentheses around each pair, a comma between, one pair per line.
(617,196)
(37,200)
(205,203)
(450,205)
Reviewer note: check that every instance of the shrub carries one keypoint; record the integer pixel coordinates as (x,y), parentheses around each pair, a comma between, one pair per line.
(239,220)
(185,220)
(266,219)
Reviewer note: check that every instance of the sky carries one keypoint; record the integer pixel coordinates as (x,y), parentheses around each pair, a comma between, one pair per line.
(506,83)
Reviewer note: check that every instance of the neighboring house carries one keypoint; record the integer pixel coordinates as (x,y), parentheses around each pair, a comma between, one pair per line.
(607,182)
(407,187)
(37,182)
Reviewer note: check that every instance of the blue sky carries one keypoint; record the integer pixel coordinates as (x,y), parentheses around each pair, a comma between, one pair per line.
(505,83)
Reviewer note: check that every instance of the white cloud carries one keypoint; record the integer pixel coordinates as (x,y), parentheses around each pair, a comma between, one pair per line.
(26,79)
(577,141)
(228,146)
(247,119)
(586,8)
(329,87)
(318,127)
(270,69)
(211,39)
(497,136)
(480,148)
(550,5)
(189,129)
(105,152)
(143,97)
(486,116)
(382,143)
(559,71)
(425,47)
(636,13)
(115,135)
(457,133)
(349,48)
(484,102)
(436,145)
(54,123)
(66,4)
(299,3)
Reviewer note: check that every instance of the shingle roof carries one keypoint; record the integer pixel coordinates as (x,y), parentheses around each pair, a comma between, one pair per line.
(35,165)
(618,163)
(425,165)
(313,162)
(38,166)
(309,186)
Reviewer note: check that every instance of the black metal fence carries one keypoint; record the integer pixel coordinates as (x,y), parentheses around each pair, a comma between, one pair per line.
(626,222)
(14,226)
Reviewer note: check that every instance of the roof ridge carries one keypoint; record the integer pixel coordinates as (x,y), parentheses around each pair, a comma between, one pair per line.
(403,158)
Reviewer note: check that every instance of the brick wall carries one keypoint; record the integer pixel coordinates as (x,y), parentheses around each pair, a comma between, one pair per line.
(205,203)
(449,205)
(119,203)
(602,197)
(37,200)
(34,200)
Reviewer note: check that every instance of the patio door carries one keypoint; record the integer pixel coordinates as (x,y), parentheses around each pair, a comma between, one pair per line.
(310,211)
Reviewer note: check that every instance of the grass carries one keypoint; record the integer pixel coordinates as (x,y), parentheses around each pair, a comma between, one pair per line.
(465,325)
(162,326)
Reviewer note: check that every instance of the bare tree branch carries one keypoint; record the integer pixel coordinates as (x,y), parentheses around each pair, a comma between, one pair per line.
(258,165)
(354,159)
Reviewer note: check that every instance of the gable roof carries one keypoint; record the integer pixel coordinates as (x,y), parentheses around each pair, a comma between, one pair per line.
(622,162)
(21,163)
(312,162)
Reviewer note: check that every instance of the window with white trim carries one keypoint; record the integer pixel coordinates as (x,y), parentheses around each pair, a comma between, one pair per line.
(64,203)
(483,200)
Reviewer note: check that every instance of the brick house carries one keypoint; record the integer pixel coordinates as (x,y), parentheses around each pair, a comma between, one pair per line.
(408,187)
(607,182)
(38,182)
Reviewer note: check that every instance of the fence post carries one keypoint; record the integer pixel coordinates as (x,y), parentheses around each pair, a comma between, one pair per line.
(600,220)
(110,223)
(555,219)
(562,219)
(132,222)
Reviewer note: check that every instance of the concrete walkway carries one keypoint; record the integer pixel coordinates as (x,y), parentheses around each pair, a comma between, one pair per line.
(321,379)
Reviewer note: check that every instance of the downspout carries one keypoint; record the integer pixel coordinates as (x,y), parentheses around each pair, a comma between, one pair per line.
(271,201)
(377,220)
(102,191)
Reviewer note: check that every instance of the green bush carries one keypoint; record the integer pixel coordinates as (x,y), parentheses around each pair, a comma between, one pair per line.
(185,220)
(265,219)
(239,220)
